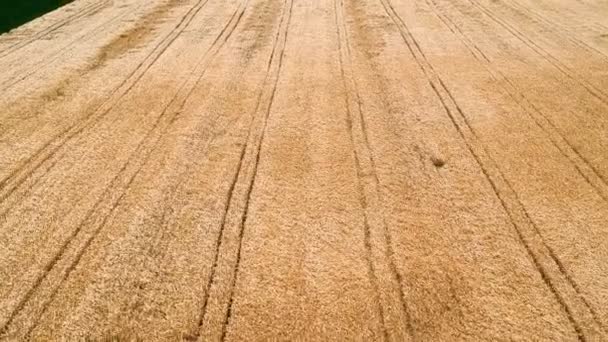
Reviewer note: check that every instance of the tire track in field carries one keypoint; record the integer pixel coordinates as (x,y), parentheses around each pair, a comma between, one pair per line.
(4,197)
(64,84)
(49,60)
(243,181)
(85,12)
(585,168)
(118,46)
(13,200)
(160,242)
(587,171)
(18,176)
(592,89)
(216,132)
(384,275)
(517,7)
(549,267)
(110,199)
(191,85)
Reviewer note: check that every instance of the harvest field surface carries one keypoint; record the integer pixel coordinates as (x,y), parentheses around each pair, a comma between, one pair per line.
(404,170)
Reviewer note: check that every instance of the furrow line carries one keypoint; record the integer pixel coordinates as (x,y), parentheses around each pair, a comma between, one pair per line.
(49,149)
(112,196)
(169,211)
(516,6)
(386,278)
(109,196)
(593,90)
(56,55)
(230,237)
(590,173)
(21,193)
(558,282)
(228,201)
(220,235)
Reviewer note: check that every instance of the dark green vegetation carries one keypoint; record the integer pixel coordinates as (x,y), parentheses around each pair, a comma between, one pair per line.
(18,12)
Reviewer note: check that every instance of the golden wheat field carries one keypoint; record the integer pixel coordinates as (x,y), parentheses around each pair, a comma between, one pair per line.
(345,170)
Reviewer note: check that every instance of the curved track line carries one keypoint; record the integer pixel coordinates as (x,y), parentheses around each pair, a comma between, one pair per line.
(587,170)
(289,5)
(3,197)
(203,63)
(49,149)
(229,28)
(516,6)
(48,62)
(160,243)
(592,89)
(479,152)
(367,179)
(264,103)
(163,121)
(56,55)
